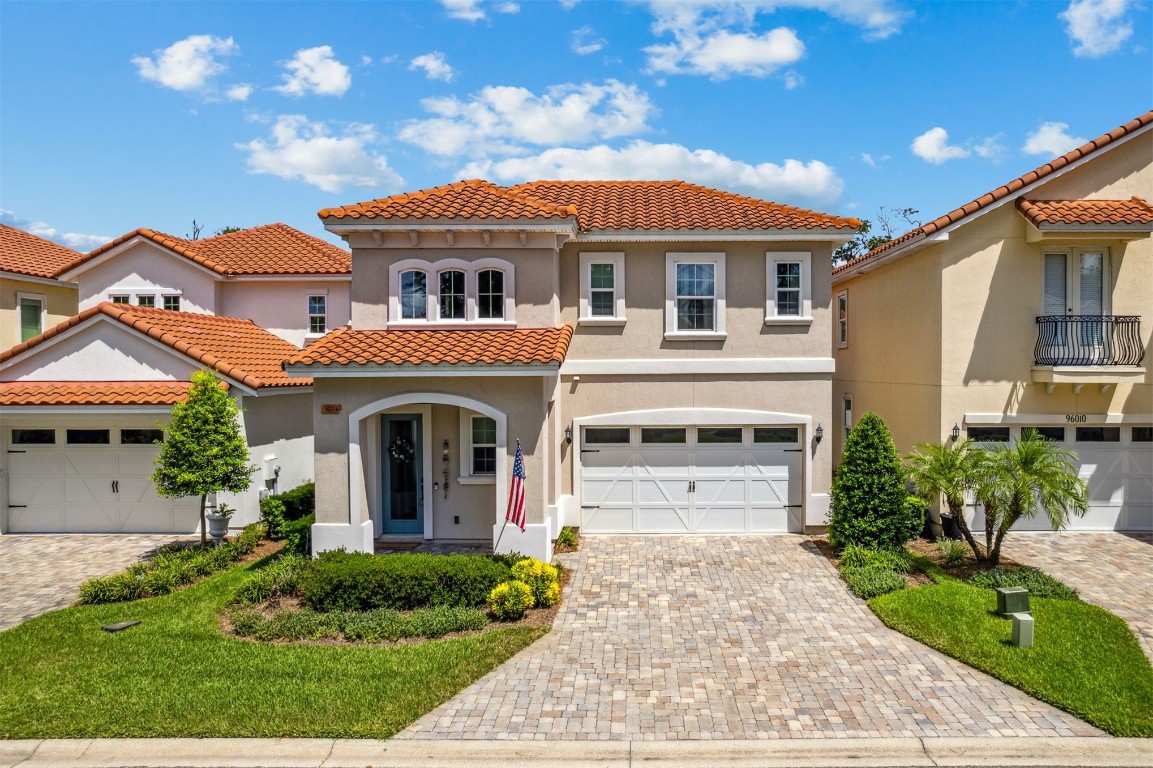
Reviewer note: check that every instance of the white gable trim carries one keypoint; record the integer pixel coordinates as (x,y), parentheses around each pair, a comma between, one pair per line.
(80,269)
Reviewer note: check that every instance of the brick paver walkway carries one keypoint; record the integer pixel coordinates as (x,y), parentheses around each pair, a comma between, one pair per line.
(1112,570)
(41,573)
(727,638)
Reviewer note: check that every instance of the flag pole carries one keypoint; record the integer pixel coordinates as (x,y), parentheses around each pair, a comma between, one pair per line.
(501,534)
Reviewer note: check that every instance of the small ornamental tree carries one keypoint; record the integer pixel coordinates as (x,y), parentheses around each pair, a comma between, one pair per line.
(869,502)
(203,451)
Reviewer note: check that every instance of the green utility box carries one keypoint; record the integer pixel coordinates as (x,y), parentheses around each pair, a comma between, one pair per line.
(1022,629)
(1012,600)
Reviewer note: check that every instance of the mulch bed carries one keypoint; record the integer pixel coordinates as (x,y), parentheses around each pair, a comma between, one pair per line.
(561,549)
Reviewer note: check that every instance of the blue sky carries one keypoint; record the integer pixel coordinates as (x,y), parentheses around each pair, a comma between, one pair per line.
(121,115)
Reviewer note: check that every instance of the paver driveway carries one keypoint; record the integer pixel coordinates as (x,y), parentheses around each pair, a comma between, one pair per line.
(727,638)
(1112,570)
(41,573)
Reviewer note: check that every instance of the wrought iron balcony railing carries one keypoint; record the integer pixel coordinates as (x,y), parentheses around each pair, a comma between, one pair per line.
(1088,340)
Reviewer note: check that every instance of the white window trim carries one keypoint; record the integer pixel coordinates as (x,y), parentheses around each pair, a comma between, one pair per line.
(321,294)
(587,260)
(847,413)
(172,295)
(839,322)
(465,476)
(39,298)
(772,258)
(671,261)
(1073,277)
(471,269)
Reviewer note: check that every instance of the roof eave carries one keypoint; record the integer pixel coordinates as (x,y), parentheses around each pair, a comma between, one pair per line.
(835,236)
(391,370)
(565,226)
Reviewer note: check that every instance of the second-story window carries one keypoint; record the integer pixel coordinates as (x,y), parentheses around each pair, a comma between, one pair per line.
(789,288)
(789,298)
(490,294)
(843,319)
(146,301)
(172,303)
(602,290)
(413,295)
(317,314)
(696,297)
(451,295)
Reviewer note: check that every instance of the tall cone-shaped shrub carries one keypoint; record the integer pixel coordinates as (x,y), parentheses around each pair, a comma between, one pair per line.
(204,450)
(870,505)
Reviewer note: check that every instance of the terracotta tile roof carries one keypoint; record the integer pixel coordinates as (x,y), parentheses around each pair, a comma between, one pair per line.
(238,349)
(1007,190)
(522,346)
(26,254)
(93,392)
(274,249)
(472,199)
(612,205)
(1133,212)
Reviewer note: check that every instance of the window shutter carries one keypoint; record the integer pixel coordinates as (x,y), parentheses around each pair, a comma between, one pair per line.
(1055,284)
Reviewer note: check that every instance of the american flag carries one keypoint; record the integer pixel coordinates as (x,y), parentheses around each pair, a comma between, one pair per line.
(515,513)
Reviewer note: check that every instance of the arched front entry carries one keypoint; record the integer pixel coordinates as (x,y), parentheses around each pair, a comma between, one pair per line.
(364,460)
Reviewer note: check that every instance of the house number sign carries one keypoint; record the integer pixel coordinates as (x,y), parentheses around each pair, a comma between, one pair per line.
(1075,418)
(330,409)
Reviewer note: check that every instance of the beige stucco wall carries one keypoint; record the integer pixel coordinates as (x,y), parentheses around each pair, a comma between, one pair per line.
(145,267)
(746,286)
(951,329)
(521,399)
(281,306)
(60,303)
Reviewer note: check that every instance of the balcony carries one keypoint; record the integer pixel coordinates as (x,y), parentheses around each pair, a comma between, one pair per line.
(1079,349)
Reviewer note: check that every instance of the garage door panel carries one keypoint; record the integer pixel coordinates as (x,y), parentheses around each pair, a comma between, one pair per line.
(92,519)
(769,519)
(721,520)
(608,520)
(88,490)
(721,491)
(608,491)
(663,519)
(655,491)
(88,461)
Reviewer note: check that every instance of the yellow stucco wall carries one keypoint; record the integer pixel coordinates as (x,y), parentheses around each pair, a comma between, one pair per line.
(60,304)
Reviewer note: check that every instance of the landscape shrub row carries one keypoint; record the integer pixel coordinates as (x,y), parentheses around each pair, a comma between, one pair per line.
(381,625)
(280,578)
(1039,583)
(873,571)
(355,581)
(171,567)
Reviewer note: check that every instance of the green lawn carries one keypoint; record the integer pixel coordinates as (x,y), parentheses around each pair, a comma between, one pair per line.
(176,674)
(1084,659)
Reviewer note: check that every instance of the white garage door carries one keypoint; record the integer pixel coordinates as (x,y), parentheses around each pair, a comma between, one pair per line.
(1116,462)
(93,479)
(731,479)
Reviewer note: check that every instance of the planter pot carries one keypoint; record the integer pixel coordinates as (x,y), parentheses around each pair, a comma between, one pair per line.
(952,529)
(217,526)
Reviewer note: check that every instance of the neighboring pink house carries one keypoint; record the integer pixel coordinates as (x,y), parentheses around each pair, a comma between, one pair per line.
(289,283)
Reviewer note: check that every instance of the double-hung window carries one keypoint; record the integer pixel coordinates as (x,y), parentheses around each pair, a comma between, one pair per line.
(451,295)
(843,319)
(789,295)
(602,288)
(695,304)
(31,315)
(413,295)
(483,444)
(490,294)
(317,315)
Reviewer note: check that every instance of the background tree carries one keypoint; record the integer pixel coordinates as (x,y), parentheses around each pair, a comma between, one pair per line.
(950,471)
(866,239)
(870,505)
(204,451)
(1021,480)
(226,230)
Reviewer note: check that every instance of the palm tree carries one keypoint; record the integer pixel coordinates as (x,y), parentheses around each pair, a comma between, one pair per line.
(950,470)
(1023,479)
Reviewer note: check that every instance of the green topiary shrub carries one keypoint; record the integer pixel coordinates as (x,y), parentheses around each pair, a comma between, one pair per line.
(272,510)
(541,578)
(872,580)
(509,601)
(1039,583)
(358,582)
(869,503)
(298,502)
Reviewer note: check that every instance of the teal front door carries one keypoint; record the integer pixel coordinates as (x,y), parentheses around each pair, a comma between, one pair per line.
(401,474)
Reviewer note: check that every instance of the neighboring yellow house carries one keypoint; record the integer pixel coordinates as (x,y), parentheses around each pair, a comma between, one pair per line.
(1027,307)
(31,298)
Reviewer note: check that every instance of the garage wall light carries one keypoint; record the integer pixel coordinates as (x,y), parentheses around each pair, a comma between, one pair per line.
(956,432)
(568,435)
(819,433)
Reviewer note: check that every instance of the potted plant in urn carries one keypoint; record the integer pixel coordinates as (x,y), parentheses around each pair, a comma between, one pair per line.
(218,522)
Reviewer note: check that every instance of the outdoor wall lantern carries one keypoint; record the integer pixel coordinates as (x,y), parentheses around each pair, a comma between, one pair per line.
(819,433)
(956,432)
(568,434)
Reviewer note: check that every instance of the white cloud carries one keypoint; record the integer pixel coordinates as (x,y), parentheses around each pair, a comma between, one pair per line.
(503,119)
(465,10)
(568,5)
(434,66)
(315,70)
(1097,27)
(933,146)
(299,149)
(990,148)
(722,53)
(239,92)
(508,8)
(585,41)
(1051,139)
(811,182)
(74,240)
(188,64)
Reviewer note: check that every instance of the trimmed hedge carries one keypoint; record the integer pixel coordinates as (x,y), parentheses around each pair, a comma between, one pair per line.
(172,567)
(370,626)
(298,502)
(356,581)
(298,535)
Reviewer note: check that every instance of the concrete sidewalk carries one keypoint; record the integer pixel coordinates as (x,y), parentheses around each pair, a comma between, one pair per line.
(335,753)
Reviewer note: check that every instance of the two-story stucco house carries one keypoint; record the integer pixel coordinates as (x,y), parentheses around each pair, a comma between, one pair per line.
(659,349)
(1027,307)
(31,297)
(287,282)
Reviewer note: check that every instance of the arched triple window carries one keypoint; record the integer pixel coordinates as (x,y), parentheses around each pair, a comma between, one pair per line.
(451,291)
